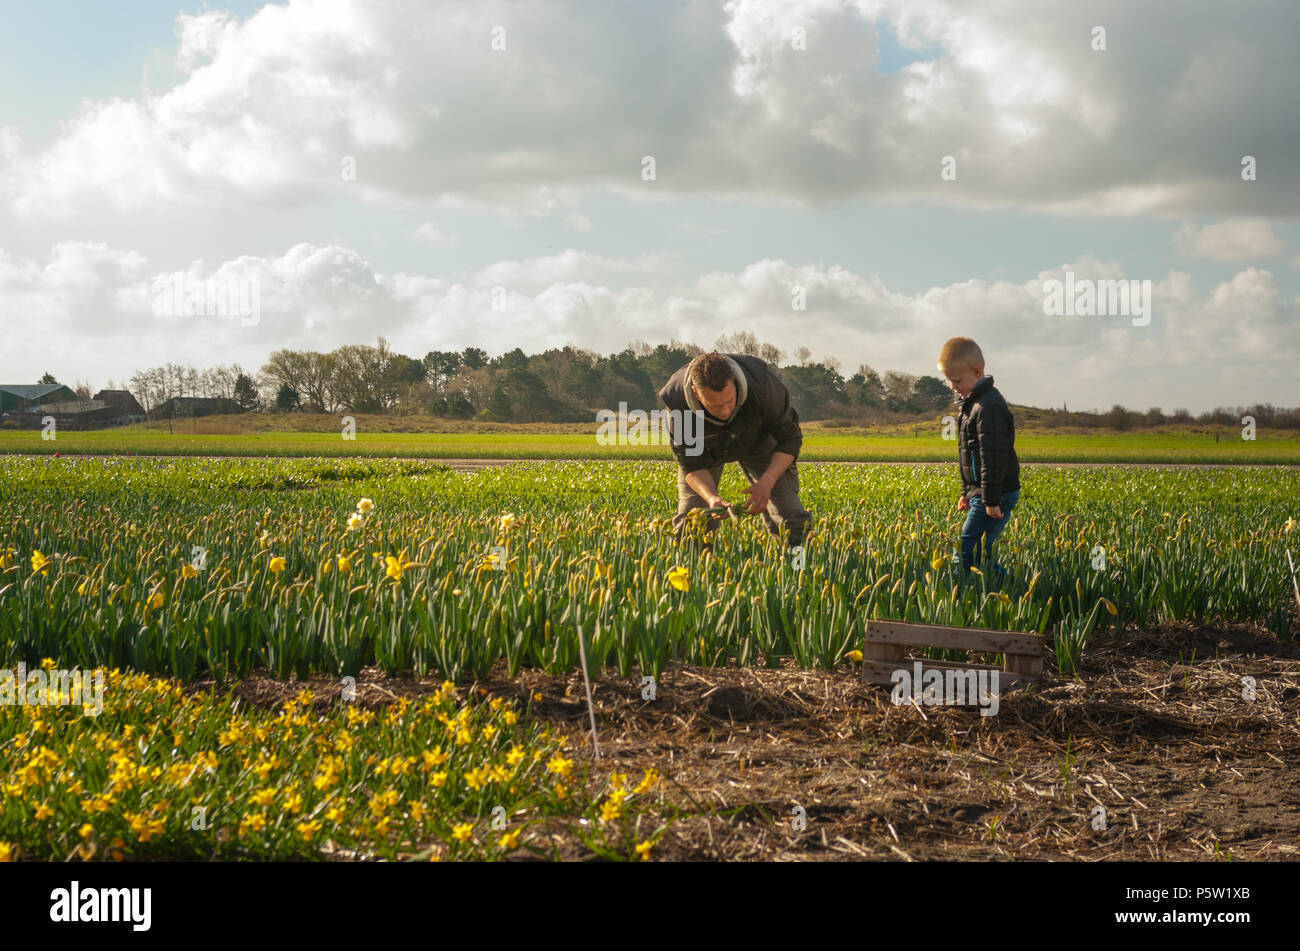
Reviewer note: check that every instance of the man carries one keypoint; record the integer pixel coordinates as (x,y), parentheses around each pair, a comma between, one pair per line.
(747,419)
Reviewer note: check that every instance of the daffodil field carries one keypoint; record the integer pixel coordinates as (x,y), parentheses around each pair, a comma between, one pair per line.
(164,572)
(219,567)
(160,773)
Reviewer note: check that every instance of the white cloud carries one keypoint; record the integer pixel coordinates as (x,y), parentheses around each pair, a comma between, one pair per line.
(1237,239)
(271,105)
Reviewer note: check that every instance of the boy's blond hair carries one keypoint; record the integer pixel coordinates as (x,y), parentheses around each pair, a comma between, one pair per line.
(960,353)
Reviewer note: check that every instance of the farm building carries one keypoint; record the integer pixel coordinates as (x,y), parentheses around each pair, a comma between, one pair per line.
(184,407)
(108,408)
(14,399)
(121,400)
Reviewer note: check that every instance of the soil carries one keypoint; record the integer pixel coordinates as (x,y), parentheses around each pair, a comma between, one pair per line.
(1159,737)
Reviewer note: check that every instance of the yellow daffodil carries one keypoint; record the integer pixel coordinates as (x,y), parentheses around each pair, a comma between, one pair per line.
(643,850)
(611,809)
(277,565)
(509,841)
(395,566)
(462,832)
(648,781)
(854,655)
(7,559)
(355,521)
(365,506)
(345,564)
(156,600)
(189,571)
(678,578)
(6,852)
(40,563)
(507,521)
(559,765)
(308,830)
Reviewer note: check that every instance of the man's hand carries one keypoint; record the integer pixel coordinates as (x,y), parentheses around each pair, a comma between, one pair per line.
(963,505)
(760,493)
(993,511)
(717,501)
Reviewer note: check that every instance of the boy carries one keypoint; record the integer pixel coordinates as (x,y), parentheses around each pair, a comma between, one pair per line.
(986,453)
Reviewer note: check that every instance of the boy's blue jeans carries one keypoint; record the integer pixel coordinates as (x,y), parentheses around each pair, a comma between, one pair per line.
(980,528)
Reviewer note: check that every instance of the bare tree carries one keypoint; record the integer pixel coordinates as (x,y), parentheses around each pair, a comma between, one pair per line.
(898,389)
(742,341)
(361,377)
(151,387)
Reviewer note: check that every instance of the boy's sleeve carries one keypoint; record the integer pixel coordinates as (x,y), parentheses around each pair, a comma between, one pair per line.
(780,418)
(995,453)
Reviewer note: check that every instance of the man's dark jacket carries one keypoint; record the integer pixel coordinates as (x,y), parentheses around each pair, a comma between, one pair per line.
(764,421)
(986,445)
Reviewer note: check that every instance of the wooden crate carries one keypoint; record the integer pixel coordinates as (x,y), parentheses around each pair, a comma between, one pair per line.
(887,643)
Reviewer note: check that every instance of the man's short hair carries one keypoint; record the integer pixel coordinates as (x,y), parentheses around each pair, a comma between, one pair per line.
(960,353)
(711,371)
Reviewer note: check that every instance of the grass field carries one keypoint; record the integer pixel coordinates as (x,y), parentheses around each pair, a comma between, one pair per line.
(820,444)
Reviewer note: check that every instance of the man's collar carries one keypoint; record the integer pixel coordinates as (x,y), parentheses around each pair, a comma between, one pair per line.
(742,390)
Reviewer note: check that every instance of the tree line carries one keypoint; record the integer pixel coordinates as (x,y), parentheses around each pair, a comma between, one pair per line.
(569,384)
(566,384)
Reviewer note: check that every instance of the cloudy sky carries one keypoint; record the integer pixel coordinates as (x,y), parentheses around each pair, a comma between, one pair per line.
(537,174)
